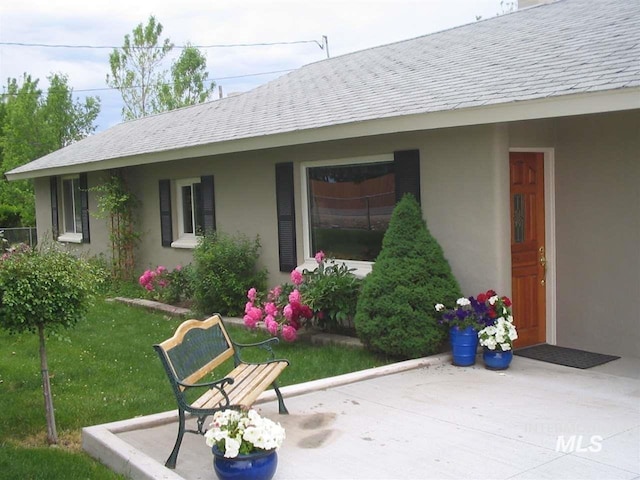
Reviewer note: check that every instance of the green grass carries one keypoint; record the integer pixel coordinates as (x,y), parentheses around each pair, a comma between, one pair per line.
(104,370)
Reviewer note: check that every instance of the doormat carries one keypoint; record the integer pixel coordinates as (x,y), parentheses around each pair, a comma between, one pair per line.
(569,357)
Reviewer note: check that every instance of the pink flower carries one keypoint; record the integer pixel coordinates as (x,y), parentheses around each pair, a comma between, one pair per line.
(296,277)
(160,270)
(319,257)
(287,311)
(255,313)
(271,309)
(275,293)
(149,287)
(289,334)
(248,307)
(272,326)
(252,294)
(294,297)
(249,321)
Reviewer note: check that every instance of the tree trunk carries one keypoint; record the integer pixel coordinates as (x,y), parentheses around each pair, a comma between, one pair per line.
(52,435)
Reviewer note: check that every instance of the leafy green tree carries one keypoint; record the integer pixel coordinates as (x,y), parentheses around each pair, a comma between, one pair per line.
(44,290)
(33,124)
(190,81)
(137,70)
(395,314)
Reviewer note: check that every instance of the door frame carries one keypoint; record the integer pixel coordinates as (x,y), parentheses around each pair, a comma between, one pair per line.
(550,235)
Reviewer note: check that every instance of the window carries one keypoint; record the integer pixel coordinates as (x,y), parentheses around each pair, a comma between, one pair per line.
(193,210)
(349,207)
(71,206)
(70,195)
(346,206)
(190,217)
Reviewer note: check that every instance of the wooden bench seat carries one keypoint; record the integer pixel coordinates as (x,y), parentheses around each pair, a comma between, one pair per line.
(196,349)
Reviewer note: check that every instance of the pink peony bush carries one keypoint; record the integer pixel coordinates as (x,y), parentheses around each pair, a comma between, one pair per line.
(324,297)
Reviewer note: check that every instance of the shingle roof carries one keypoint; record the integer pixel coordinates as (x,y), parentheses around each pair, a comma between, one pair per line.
(563,48)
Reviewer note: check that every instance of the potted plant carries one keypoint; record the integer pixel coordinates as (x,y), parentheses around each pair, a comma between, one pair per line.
(470,315)
(497,338)
(244,444)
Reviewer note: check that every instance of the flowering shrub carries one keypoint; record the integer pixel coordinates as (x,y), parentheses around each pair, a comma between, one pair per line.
(326,296)
(167,286)
(476,312)
(236,432)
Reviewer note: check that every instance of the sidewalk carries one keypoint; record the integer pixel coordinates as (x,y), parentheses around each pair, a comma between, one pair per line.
(424,419)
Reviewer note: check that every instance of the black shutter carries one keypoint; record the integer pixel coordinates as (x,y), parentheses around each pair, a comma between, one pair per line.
(84,208)
(208,204)
(53,187)
(286,217)
(407,171)
(166,229)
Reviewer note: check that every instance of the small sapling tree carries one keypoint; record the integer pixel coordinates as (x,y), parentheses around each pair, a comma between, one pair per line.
(40,290)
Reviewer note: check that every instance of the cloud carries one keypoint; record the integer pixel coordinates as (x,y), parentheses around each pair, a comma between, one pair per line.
(350,25)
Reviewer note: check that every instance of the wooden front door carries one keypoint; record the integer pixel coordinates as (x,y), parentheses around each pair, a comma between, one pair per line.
(528,254)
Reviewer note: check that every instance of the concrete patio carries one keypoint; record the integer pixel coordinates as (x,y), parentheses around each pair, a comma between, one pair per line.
(423,419)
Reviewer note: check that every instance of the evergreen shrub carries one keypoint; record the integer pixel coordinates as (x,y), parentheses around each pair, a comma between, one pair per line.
(395,313)
(225,268)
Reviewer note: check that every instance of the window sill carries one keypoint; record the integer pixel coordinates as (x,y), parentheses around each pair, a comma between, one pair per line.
(190,242)
(360,269)
(70,238)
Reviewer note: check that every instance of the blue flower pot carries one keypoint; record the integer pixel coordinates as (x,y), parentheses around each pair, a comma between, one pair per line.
(253,466)
(464,345)
(497,359)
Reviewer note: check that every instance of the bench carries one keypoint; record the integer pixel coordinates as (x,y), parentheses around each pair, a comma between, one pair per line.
(193,352)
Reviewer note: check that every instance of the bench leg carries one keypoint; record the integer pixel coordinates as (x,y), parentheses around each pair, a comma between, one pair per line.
(171,461)
(281,408)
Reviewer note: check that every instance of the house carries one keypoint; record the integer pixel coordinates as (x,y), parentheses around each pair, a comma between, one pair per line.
(520,135)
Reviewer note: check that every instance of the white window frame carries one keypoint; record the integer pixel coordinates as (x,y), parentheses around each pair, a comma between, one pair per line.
(361,268)
(185,240)
(75,236)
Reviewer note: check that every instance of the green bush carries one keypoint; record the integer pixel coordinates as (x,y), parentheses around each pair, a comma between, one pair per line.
(225,268)
(10,216)
(331,290)
(395,312)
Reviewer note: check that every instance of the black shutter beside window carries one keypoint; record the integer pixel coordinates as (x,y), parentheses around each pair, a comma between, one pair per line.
(285,201)
(407,170)
(53,187)
(84,207)
(166,229)
(208,203)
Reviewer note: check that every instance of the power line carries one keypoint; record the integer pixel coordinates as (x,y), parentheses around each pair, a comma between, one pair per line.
(231,45)
(217,79)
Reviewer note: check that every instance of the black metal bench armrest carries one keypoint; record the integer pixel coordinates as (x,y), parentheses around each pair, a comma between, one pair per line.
(264,345)
(214,384)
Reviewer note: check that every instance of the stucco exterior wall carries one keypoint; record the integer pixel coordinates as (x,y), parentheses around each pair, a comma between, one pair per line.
(597,210)
(465,199)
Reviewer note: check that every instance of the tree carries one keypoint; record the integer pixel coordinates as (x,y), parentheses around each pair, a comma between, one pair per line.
(189,81)
(34,124)
(137,71)
(395,314)
(44,290)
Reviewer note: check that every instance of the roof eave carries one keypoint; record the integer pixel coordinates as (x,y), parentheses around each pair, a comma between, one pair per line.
(549,107)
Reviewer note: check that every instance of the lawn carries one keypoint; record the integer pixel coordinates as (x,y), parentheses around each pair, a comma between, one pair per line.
(104,370)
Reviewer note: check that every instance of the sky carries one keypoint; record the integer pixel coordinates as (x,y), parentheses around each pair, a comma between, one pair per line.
(349,25)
